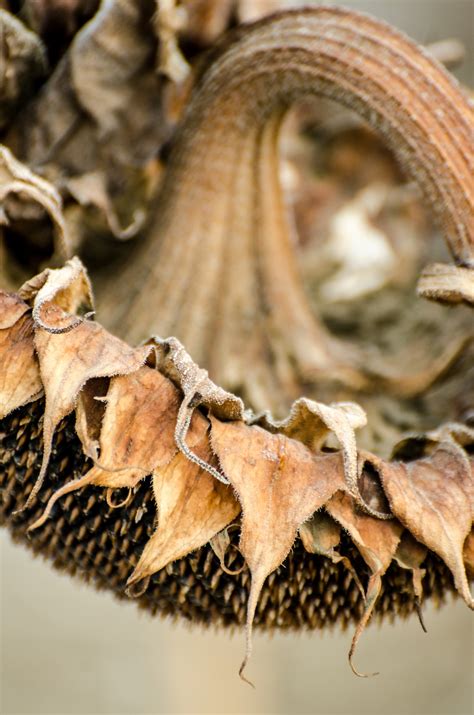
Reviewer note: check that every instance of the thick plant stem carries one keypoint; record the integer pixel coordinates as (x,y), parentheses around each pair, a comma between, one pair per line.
(218,268)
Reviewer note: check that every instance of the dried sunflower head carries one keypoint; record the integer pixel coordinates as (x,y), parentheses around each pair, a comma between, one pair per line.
(355,533)
(132,467)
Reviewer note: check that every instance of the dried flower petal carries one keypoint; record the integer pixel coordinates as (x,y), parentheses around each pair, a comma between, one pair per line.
(410,555)
(320,535)
(434,500)
(19,375)
(377,542)
(280,484)
(16,178)
(192,507)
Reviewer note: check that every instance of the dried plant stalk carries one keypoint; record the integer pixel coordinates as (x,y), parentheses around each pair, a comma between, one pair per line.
(219,259)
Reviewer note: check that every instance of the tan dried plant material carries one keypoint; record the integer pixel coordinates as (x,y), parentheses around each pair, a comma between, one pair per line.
(19,373)
(434,499)
(410,554)
(71,350)
(312,422)
(320,535)
(192,507)
(447,283)
(153,410)
(176,363)
(130,419)
(377,542)
(280,483)
(18,180)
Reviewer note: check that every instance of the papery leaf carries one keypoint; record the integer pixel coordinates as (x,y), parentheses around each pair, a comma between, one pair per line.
(135,436)
(447,283)
(320,535)
(377,541)
(192,507)
(16,178)
(68,360)
(20,381)
(12,307)
(468,553)
(220,544)
(176,363)
(23,62)
(67,289)
(434,499)
(410,554)
(280,484)
(312,422)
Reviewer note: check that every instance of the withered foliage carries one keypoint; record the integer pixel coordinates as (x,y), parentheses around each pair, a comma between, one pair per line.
(276,480)
(168,489)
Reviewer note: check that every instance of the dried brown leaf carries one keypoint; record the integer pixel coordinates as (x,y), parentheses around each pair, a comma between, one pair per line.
(19,374)
(71,350)
(434,500)
(468,553)
(320,535)
(447,283)
(377,541)
(410,555)
(312,422)
(192,507)
(136,432)
(280,484)
(176,363)
(23,62)
(18,179)
(58,294)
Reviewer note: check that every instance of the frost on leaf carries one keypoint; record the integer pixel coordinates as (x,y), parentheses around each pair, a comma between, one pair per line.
(19,374)
(280,483)
(377,543)
(434,499)
(192,507)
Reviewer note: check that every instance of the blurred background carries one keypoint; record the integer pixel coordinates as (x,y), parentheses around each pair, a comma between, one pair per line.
(67,649)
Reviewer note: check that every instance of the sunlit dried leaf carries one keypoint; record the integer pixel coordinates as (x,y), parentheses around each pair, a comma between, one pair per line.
(377,542)
(220,544)
(320,535)
(192,507)
(434,499)
(19,374)
(280,484)
(12,308)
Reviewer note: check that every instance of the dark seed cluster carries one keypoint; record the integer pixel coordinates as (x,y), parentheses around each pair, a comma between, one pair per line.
(87,538)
